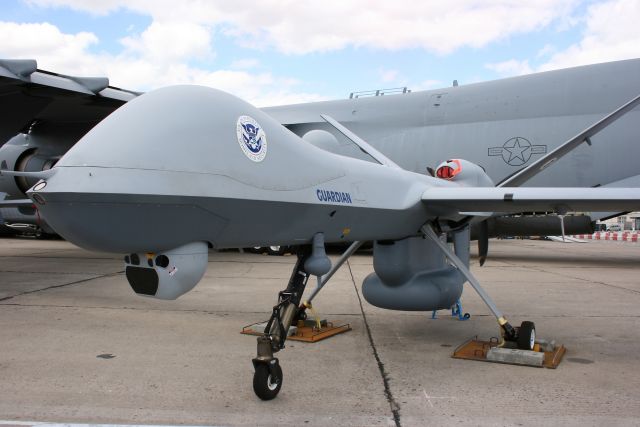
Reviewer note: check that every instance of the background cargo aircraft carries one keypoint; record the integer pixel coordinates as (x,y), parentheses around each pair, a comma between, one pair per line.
(502,125)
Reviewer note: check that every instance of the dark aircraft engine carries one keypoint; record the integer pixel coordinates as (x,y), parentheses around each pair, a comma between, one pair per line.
(535,225)
(23,153)
(413,275)
(167,275)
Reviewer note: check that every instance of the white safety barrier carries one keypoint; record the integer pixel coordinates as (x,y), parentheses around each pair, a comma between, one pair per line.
(621,236)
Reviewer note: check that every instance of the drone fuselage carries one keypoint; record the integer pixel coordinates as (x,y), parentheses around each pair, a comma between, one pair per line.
(169,168)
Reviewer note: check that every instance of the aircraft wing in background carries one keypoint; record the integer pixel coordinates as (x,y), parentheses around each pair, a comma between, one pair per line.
(30,94)
(19,203)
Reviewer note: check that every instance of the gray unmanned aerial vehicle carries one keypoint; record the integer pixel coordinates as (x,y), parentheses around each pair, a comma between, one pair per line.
(180,169)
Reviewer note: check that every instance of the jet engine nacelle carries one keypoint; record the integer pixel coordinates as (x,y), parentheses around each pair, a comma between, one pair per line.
(25,153)
(169,274)
(412,274)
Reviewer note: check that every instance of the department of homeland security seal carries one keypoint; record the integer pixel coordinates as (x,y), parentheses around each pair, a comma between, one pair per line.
(251,138)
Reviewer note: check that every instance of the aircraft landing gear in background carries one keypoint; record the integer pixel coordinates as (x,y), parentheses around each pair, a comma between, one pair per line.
(267,378)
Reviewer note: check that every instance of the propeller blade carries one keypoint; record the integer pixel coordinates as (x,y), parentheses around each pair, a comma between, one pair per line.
(562,226)
(483,241)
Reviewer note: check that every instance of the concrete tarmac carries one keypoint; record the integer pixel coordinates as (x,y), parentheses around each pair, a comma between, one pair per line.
(78,346)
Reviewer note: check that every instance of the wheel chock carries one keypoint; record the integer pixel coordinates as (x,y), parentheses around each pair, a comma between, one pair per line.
(545,353)
(305,331)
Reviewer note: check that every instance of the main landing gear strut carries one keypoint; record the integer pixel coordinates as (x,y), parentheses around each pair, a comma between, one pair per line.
(267,379)
(524,336)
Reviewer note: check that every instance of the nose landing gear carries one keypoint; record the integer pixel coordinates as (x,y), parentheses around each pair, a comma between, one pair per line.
(267,378)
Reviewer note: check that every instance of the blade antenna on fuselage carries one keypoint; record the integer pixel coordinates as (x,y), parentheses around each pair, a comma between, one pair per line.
(364,145)
(539,165)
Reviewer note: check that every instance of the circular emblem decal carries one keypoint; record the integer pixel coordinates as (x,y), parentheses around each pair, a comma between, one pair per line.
(251,138)
(517,151)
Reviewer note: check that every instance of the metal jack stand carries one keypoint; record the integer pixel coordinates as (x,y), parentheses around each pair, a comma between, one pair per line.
(456,310)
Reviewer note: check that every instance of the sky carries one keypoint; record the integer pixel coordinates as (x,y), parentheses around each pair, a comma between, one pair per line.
(275,52)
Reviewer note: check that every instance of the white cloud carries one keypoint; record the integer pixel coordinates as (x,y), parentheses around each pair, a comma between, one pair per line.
(145,62)
(511,67)
(101,7)
(182,35)
(260,89)
(171,42)
(611,33)
(245,64)
(299,27)
(546,50)
(41,40)
(388,76)
(428,84)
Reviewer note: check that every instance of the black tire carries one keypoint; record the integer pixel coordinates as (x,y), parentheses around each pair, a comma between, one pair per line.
(265,385)
(526,335)
(276,250)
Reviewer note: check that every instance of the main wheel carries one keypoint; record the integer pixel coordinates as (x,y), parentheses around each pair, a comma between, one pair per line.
(265,384)
(527,335)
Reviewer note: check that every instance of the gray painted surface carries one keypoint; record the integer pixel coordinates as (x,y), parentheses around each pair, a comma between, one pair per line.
(150,178)
(474,122)
(412,275)
(502,125)
(184,177)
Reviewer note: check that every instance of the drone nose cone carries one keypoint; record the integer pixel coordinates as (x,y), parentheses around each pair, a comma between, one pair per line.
(100,209)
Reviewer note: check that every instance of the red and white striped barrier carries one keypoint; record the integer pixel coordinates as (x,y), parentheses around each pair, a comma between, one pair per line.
(622,236)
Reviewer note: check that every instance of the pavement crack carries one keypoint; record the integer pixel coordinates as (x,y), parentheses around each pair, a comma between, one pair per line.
(395,407)
(61,285)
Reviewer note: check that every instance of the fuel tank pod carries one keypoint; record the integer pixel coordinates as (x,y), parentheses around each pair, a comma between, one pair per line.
(411,275)
(167,275)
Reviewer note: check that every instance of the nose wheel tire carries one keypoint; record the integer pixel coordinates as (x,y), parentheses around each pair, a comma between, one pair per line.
(267,381)
(527,336)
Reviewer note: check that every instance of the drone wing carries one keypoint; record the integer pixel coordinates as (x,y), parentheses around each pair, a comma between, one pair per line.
(453,200)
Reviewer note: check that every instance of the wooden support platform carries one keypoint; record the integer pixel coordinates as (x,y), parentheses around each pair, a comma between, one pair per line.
(306,331)
(475,349)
